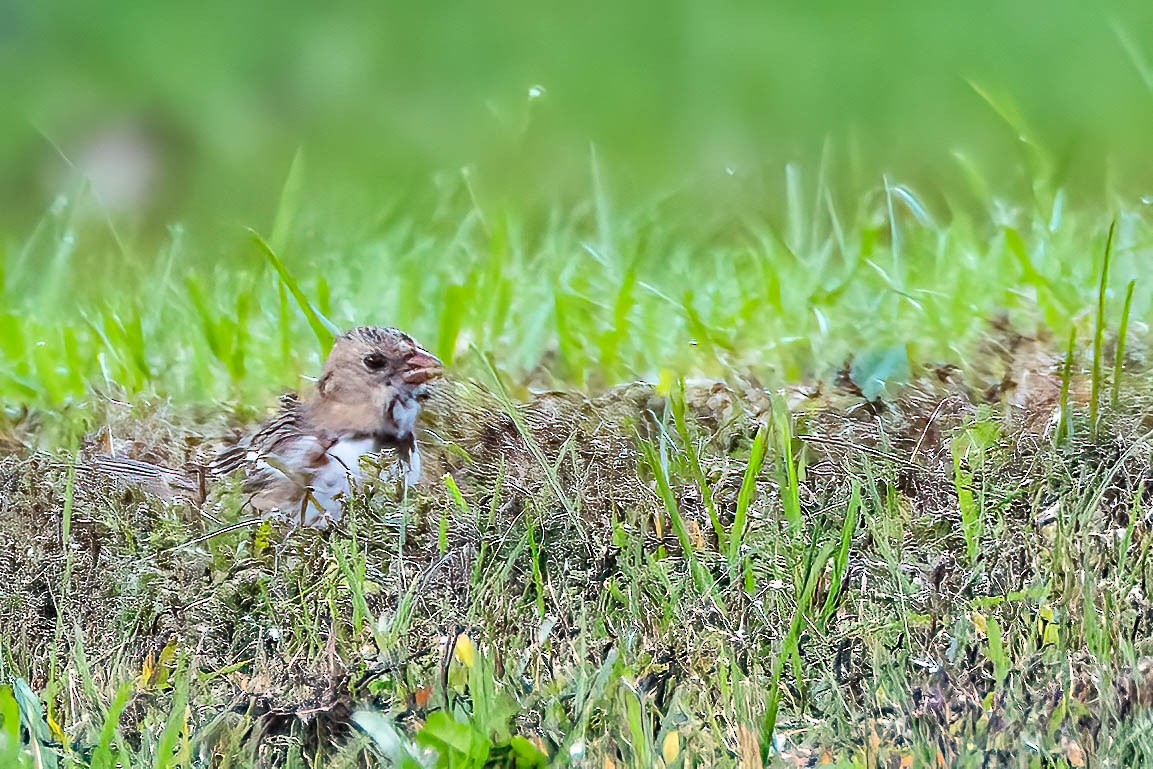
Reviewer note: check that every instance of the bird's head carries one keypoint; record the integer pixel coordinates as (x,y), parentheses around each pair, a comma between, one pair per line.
(368,370)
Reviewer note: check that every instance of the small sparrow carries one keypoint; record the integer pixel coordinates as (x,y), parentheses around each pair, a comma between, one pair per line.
(304,462)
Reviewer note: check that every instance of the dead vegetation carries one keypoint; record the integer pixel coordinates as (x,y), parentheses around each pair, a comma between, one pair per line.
(962,585)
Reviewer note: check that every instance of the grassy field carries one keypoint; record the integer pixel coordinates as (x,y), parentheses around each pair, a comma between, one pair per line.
(882,521)
(797,409)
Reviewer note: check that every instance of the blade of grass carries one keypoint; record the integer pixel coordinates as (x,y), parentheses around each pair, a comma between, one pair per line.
(1056,300)
(677,404)
(967,503)
(9,727)
(1065,422)
(1099,332)
(176,727)
(665,492)
(790,488)
(36,722)
(639,736)
(456,299)
(841,557)
(102,754)
(745,498)
(610,340)
(1119,354)
(489,290)
(534,562)
(353,569)
(289,202)
(325,330)
(815,561)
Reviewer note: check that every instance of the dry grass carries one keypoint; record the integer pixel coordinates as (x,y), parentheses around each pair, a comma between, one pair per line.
(985,599)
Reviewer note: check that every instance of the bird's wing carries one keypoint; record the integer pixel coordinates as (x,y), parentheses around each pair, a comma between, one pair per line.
(280,436)
(285,426)
(294,458)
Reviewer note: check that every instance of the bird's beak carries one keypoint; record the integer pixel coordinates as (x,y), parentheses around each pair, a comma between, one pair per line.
(422,366)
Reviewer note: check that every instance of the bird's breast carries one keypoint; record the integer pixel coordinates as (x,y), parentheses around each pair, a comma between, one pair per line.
(346,453)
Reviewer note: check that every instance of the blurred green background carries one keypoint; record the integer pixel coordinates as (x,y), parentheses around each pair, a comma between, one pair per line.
(590,192)
(192,112)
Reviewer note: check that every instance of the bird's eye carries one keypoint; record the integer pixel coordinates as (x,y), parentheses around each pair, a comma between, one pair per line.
(374,361)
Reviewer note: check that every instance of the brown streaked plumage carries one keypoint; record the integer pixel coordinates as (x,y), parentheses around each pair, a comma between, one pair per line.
(303,462)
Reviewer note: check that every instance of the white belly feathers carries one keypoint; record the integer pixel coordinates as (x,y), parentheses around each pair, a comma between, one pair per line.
(324,490)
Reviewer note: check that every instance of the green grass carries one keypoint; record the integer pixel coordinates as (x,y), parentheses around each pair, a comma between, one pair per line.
(602,293)
(672,573)
(705,489)
(678,572)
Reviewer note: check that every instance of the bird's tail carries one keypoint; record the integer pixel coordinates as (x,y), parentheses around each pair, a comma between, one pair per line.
(189,482)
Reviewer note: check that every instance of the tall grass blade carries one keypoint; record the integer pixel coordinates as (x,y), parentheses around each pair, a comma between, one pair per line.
(102,757)
(640,735)
(213,334)
(790,488)
(325,330)
(289,203)
(534,567)
(668,499)
(610,340)
(352,568)
(1056,300)
(451,318)
(9,727)
(175,731)
(841,556)
(1099,332)
(971,524)
(1122,336)
(1065,421)
(677,404)
(489,289)
(745,496)
(790,654)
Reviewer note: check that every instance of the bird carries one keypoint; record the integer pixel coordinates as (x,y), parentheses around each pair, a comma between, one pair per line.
(303,463)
